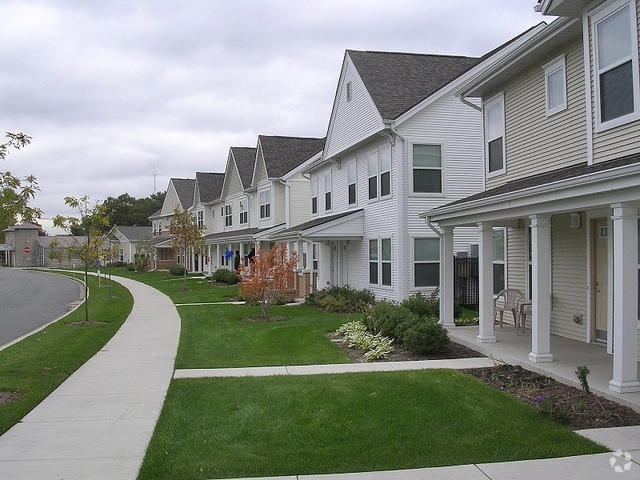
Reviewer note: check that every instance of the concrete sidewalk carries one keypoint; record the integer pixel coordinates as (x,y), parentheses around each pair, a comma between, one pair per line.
(98,423)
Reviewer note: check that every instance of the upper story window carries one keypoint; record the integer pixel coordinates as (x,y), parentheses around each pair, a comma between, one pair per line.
(314,195)
(379,172)
(616,64)
(555,81)
(244,212)
(349,92)
(327,191)
(265,203)
(427,168)
(351,183)
(494,135)
(200,219)
(228,217)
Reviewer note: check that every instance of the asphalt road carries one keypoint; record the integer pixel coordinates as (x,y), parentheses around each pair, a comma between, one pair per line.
(29,300)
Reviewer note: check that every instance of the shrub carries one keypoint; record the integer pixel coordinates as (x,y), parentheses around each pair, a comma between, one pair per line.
(423,306)
(341,299)
(426,337)
(356,334)
(131,267)
(176,270)
(386,317)
(223,275)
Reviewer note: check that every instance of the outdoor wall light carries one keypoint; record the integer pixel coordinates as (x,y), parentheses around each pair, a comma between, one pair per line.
(576,220)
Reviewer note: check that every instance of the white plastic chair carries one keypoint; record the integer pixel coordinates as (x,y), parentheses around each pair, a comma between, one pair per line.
(508,300)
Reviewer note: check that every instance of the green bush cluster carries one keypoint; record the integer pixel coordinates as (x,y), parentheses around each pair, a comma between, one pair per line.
(411,323)
(222,275)
(376,347)
(176,270)
(341,299)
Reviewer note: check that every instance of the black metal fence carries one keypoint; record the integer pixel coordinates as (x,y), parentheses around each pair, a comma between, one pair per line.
(466,289)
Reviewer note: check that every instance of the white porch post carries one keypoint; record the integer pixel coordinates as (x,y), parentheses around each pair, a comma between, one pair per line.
(210,263)
(310,265)
(625,299)
(485,267)
(446,277)
(218,255)
(541,289)
(300,252)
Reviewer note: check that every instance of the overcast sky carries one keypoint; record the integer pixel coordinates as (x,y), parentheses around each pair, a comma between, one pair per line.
(112,91)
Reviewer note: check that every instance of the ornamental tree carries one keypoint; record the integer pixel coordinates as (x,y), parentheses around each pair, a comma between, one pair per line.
(91,224)
(187,236)
(266,278)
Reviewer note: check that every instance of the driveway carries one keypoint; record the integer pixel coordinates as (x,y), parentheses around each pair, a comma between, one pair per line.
(29,300)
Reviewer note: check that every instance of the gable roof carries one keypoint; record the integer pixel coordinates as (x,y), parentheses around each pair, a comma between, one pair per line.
(134,233)
(209,186)
(245,158)
(184,189)
(397,82)
(283,154)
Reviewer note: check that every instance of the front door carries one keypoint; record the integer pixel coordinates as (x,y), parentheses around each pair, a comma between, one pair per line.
(600,278)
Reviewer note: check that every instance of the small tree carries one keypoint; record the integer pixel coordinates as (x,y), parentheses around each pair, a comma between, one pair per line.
(92,223)
(144,254)
(265,279)
(56,252)
(187,236)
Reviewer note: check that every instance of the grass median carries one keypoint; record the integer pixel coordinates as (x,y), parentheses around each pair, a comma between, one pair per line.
(35,366)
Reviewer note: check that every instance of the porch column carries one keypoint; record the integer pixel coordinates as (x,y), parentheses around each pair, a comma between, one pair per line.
(541,289)
(310,265)
(625,299)
(446,277)
(210,262)
(218,255)
(300,252)
(485,272)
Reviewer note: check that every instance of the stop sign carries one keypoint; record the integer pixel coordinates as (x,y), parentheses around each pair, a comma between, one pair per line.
(27,249)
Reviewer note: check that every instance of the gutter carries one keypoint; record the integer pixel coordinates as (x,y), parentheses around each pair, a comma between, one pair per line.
(464,100)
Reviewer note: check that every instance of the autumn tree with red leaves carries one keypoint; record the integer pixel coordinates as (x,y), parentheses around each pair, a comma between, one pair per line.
(266,278)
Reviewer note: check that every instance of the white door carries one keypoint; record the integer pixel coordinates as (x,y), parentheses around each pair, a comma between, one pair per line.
(600,278)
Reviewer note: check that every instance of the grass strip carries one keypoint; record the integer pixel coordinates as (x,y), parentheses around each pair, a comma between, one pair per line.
(276,426)
(35,366)
(217,336)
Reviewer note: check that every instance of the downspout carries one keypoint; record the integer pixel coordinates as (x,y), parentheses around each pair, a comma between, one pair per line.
(464,100)
(402,217)
(287,200)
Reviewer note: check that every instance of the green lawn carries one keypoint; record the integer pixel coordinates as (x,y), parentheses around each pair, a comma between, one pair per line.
(214,336)
(272,426)
(36,366)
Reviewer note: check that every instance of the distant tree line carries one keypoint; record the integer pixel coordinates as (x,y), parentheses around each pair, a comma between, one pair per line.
(126,210)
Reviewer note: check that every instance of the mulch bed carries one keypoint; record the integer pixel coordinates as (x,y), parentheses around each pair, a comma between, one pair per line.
(572,406)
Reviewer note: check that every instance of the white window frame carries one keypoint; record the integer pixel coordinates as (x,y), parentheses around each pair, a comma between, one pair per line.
(314,195)
(557,66)
(244,211)
(328,201)
(500,261)
(379,173)
(598,15)
(200,219)
(489,105)
(352,180)
(314,256)
(265,203)
(415,262)
(381,261)
(228,215)
(442,192)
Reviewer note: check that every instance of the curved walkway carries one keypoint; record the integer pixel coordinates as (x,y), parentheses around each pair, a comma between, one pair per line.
(98,423)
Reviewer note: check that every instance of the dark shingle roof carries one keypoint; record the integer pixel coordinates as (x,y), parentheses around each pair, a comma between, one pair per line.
(566,173)
(283,154)
(184,188)
(318,221)
(399,81)
(135,233)
(209,186)
(245,158)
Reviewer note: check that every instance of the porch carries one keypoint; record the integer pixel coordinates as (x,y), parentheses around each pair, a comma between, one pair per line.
(567,356)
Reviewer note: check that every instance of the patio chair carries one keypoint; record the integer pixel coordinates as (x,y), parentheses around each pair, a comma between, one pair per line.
(508,300)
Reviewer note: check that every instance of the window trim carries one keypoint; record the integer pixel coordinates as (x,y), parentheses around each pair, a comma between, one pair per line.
(314,195)
(379,262)
(353,165)
(264,214)
(378,175)
(414,262)
(328,200)
(200,219)
(596,16)
(487,105)
(442,192)
(558,64)
(503,261)
(228,215)
(244,211)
